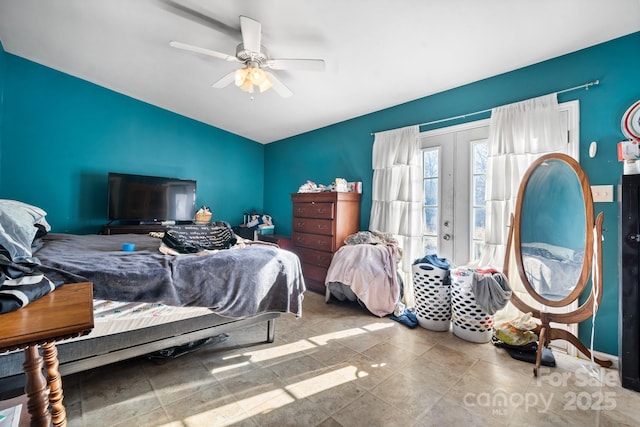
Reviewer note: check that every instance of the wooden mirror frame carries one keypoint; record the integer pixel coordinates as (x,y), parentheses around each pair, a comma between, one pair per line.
(546,333)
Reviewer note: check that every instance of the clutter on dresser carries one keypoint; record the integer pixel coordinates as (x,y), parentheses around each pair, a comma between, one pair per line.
(339,185)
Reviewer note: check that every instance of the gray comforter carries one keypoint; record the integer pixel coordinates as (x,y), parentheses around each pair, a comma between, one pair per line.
(237,282)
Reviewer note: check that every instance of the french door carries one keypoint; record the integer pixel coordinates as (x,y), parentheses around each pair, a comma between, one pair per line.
(454,161)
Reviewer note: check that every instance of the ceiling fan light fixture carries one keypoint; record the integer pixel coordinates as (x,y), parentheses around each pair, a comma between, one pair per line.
(241,76)
(247,86)
(257,76)
(247,77)
(265,85)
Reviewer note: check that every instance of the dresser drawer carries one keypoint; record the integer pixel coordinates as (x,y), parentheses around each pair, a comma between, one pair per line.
(313,210)
(313,272)
(310,256)
(313,241)
(312,225)
(315,286)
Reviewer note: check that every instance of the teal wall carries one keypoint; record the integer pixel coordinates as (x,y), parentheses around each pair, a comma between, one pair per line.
(62,135)
(344,149)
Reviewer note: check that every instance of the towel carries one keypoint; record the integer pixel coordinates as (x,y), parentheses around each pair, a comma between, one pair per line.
(491,290)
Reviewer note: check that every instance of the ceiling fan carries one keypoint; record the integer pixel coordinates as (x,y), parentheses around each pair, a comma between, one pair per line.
(255,58)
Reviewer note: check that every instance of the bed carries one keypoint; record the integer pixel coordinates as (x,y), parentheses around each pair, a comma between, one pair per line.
(552,270)
(171,300)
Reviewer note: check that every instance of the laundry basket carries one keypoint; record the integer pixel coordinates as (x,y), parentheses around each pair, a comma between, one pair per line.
(470,322)
(433,296)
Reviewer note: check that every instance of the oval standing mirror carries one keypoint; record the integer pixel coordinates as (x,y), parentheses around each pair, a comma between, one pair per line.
(556,223)
(552,235)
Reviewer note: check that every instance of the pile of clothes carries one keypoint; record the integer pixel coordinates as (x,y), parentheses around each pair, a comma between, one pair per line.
(22,281)
(519,339)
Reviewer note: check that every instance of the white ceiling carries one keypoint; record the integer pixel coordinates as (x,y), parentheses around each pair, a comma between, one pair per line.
(378,53)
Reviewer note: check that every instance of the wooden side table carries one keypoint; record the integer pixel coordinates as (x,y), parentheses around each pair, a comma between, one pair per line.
(65,313)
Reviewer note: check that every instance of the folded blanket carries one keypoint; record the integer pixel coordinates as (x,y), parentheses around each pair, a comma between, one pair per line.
(20,284)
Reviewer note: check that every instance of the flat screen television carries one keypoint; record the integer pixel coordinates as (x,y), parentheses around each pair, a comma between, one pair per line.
(145,199)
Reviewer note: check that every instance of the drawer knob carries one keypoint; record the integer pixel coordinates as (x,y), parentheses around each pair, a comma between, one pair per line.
(321,210)
(322,226)
(300,224)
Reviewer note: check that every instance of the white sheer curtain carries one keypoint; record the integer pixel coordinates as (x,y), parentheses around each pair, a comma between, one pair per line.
(397,196)
(518,134)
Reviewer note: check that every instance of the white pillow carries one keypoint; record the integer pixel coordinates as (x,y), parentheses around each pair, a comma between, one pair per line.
(18,228)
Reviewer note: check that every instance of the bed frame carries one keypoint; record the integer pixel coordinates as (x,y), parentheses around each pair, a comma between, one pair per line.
(78,355)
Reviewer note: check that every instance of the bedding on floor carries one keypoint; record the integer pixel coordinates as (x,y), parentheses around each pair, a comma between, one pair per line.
(367,272)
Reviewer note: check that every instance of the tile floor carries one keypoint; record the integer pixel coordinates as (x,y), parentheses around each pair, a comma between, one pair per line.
(339,366)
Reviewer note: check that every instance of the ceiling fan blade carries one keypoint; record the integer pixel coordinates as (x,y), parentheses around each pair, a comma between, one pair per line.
(200,17)
(278,86)
(296,64)
(225,81)
(251,33)
(203,51)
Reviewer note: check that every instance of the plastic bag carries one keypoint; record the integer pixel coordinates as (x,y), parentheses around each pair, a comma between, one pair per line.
(517,332)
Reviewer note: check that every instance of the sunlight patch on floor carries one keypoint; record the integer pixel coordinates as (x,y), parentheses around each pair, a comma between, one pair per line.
(338,335)
(378,326)
(230,367)
(271,400)
(320,383)
(279,351)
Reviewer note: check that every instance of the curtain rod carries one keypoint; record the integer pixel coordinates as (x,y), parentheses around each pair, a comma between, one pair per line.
(464,116)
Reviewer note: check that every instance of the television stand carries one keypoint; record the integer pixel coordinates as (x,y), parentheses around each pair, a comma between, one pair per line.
(109,229)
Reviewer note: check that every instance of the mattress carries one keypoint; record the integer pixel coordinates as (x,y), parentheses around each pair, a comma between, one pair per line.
(114,317)
(125,330)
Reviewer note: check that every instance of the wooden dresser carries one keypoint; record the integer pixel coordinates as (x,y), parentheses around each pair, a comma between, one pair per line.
(321,222)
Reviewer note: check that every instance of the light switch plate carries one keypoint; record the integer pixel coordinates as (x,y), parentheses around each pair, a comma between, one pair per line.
(602,193)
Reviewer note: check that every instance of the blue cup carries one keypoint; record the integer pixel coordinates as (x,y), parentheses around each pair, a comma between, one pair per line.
(128,247)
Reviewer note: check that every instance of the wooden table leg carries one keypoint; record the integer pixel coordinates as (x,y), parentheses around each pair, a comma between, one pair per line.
(36,388)
(58,413)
